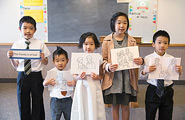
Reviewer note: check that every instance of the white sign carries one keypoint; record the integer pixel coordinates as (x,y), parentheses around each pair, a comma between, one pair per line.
(26,53)
(61,78)
(165,68)
(85,62)
(124,57)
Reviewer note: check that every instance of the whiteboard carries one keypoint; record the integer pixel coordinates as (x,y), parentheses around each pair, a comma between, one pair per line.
(9,21)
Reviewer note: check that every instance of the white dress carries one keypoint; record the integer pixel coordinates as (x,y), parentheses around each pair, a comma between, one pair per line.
(88,101)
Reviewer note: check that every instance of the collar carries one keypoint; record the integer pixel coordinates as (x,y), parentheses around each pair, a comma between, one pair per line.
(159,55)
(31,39)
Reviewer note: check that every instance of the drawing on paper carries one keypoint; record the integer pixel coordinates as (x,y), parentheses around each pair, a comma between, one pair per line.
(124,57)
(61,82)
(165,69)
(85,62)
(90,64)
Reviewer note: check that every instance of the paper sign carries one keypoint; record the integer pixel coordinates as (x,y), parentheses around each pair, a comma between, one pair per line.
(124,57)
(61,78)
(33,2)
(165,68)
(36,14)
(26,53)
(85,62)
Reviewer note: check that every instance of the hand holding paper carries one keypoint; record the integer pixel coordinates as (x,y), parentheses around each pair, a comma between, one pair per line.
(49,82)
(178,69)
(113,67)
(149,69)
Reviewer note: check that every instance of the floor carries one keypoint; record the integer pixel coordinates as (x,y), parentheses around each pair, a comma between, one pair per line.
(9,109)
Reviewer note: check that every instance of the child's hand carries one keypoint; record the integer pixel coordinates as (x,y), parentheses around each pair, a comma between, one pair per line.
(10,54)
(71,83)
(178,69)
(149,69)
(113,67)
(42,55)
(49,82)
(94,76)
(138,61)
(83,75)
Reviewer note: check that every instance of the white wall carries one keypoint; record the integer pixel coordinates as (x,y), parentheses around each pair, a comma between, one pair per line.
(171,17)
(9,21)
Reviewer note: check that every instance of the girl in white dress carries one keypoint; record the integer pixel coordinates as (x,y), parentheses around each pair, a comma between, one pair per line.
(88,100)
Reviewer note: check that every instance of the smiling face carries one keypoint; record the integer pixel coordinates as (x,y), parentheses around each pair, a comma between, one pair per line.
(27,30)
(60,61)
(121,25)
(89,45)
(161,45)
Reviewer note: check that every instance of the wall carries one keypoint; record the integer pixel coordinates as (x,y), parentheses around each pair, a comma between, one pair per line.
(171,18)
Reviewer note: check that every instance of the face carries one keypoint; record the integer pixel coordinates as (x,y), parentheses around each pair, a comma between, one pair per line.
(60,61)
(160,45)
(89,45)
(121,25)
(27,30)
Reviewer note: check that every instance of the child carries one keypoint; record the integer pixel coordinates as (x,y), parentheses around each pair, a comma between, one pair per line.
(88,100)
(164,100)
(29,84)
(61,102)
(119,87)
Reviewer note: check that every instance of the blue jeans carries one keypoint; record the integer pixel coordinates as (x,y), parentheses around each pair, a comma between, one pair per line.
(59,106)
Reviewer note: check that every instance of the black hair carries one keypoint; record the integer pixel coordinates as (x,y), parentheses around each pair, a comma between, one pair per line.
(161,33)
(115,17)
(59,51)
(86,35)
(27,19)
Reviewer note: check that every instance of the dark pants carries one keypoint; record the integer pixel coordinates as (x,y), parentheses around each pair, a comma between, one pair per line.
(59,106)
(164,104)
(30,96)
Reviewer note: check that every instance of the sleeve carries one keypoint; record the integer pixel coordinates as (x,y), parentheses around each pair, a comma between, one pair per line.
(146,65)
(45,50)
(104,54)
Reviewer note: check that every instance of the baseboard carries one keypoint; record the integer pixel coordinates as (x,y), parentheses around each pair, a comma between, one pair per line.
(8,80)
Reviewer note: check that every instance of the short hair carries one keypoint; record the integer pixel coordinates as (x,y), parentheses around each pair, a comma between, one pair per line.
(115,17)
(161,33)
(60,51)
(27,19)
(86,35)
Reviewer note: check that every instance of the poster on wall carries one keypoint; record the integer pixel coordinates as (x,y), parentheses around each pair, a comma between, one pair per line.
(38,10)
(142,18)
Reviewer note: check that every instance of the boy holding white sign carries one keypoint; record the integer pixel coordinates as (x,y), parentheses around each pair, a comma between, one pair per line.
(159,93)
(58,79)
(29,80)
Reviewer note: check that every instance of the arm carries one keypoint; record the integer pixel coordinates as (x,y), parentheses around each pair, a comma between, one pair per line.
(80,76)
(71,83)
(178,69)
(139,61)
(44,60)
(49,82)
(14,63)
(149,69)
